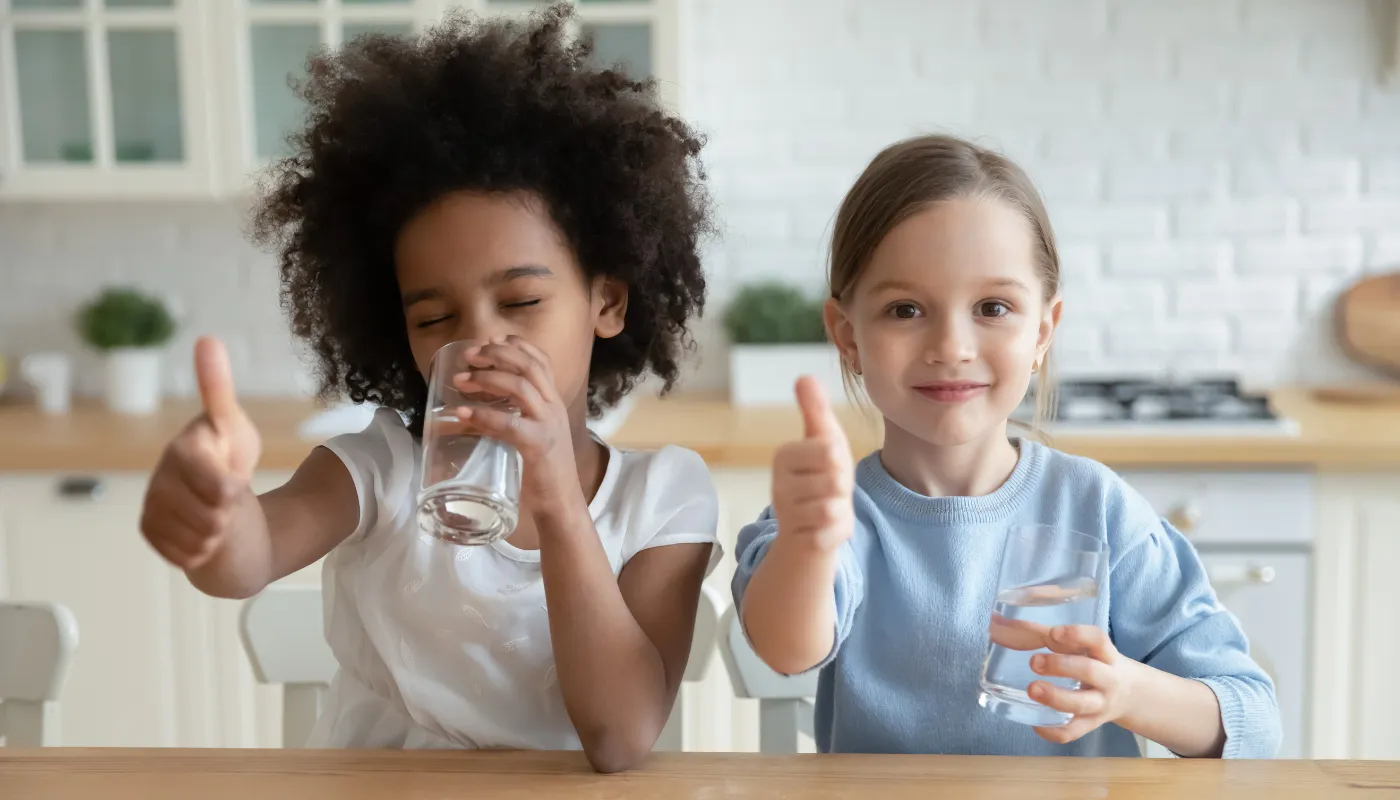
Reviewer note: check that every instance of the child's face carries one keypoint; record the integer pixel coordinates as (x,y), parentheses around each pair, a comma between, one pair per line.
(478,266)
(947,321)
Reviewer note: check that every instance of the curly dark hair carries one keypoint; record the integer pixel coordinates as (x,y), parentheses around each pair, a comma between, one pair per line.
(490,105)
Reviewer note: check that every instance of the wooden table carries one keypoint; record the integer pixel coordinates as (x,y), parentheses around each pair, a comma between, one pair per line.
(60,774)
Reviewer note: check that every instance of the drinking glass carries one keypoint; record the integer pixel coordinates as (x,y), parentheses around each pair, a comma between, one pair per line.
(470,483)
(1049,576)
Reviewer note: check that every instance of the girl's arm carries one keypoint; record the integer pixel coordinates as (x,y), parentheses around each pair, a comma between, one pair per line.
(620,643)
(279,532)
(787,588)
(1177,670)
(200,512)
(1180,714)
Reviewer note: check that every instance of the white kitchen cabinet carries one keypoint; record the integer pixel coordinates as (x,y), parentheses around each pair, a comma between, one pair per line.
(106,99)
(148,99)
(158,663)
(270,42)
(1356,700)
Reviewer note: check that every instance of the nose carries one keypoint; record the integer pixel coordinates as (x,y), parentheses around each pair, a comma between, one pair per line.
(951,340)
(479,327)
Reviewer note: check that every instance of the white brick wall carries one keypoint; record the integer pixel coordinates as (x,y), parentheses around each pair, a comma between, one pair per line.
(1215,169)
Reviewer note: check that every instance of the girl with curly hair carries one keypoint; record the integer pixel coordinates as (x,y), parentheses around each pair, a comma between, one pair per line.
(482,181)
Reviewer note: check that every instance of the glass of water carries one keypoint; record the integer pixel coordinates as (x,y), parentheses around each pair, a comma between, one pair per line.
(1049,576)
(470,483)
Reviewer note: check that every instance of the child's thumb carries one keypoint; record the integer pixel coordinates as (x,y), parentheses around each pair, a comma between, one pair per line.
(818,420)
(215,376)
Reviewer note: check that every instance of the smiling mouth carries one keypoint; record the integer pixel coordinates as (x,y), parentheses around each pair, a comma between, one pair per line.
(951,391)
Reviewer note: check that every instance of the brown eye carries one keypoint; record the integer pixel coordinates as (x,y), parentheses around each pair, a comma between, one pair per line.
(994,308)
(904,311)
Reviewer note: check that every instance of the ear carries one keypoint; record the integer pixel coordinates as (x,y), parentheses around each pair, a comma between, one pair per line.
(841,333)
(609,307)
(1049,322)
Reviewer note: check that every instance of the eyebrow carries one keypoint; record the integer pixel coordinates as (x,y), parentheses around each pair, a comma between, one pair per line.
(1010,282)
(503,276)
(906,286)
(892,284)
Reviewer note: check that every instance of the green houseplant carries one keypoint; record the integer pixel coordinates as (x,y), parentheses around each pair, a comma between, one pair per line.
(129,329)
(776,334)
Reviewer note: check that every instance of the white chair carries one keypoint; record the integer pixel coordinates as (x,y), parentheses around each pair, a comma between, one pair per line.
(784,702)
(37,641)
(702,652)
(283,633)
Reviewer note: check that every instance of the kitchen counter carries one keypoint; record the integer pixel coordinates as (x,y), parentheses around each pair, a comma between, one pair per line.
(89,438)
(398,775)
(1333,436)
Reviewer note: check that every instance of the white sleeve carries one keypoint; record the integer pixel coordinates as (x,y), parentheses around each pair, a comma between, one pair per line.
(681,506)
(380,462)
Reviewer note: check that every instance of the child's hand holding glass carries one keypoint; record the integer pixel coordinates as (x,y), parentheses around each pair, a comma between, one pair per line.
(1084,654)
(513,369)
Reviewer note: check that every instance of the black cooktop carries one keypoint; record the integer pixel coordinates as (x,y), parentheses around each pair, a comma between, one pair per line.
(1158,401)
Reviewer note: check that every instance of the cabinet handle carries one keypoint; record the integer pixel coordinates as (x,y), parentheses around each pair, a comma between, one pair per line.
(1185,517)
(1241,576)
(80,488)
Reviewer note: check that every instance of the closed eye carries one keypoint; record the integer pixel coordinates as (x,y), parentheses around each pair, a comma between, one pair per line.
(428,323)
(523,303)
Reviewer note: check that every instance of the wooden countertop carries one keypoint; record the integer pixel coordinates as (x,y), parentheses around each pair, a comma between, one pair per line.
(1333,436)
(65,774)
(91,439)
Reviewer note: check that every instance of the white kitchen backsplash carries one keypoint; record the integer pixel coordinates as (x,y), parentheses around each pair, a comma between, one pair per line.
(1215,169)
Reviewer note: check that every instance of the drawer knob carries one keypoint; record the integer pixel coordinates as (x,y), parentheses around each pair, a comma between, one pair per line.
(1185,517)
(1226,577)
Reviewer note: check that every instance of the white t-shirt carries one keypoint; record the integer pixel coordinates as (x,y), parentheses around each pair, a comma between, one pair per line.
(443,646)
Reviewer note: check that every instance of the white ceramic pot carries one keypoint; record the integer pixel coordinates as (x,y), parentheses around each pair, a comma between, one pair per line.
(763,375)
(133,380)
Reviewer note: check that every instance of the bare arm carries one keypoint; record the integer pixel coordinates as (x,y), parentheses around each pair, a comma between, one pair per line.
(282,531)
(620,644)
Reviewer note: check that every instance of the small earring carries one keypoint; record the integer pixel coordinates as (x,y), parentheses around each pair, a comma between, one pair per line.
(1035,367)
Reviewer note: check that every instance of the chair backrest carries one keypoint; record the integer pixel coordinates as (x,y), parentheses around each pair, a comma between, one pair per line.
(784,705)
(283,633)
(37,641)
(705,637)
(702,652)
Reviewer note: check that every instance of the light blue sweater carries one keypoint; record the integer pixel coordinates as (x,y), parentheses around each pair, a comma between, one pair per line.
(914,593)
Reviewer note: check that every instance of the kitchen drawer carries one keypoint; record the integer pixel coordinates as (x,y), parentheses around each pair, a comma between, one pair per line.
(1232,507)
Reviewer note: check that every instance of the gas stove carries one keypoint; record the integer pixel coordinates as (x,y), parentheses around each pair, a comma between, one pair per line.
(1209,406)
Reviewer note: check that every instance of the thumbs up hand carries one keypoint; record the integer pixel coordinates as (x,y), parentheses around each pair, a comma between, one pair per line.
(202,481)
(813,477)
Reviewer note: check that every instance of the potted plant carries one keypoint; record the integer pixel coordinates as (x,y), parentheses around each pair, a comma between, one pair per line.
(776,335)
(129,328)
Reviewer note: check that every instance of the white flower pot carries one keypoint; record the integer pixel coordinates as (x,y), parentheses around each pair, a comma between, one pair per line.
(133,380)
(763,375)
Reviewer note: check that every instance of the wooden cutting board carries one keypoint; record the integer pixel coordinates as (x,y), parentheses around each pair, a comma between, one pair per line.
(1368,322)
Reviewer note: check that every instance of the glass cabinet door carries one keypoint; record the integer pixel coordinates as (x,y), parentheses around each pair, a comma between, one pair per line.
(99,101)
(282,37)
